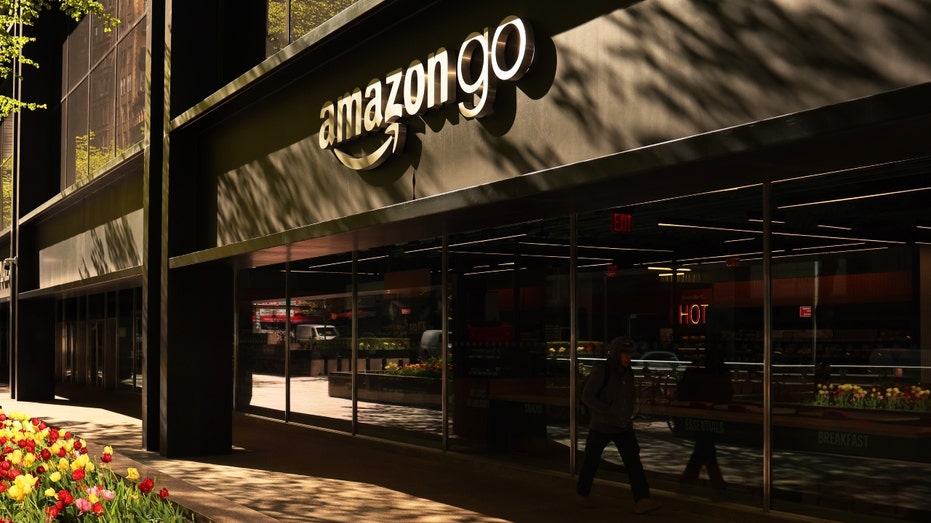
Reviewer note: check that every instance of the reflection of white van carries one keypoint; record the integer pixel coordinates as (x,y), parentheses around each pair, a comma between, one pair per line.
(314,332)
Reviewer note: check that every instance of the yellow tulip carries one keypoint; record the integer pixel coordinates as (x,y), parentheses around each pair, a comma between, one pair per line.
(132,474)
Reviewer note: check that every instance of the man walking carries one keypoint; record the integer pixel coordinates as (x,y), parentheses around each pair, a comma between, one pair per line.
(610,396)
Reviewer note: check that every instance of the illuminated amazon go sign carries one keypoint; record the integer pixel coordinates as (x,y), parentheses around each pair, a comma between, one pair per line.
(381,107)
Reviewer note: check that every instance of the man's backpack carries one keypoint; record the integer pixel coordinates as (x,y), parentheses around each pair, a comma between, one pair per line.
(585,413)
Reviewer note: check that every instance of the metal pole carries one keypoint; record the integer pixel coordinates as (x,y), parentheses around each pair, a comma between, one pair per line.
(444,339)
(14,215)
(287,341)
(354,348)
(573,338)
(767,347)
(814,317)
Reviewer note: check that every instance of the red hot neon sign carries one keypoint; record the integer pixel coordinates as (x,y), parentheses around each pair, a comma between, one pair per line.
(693,314)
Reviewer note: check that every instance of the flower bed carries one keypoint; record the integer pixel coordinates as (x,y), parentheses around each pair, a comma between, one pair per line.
(429,368)
(584,348)
(47,474)
(898,397)
(394,389)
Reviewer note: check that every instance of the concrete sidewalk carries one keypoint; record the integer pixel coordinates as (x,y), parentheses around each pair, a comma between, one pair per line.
(285,472)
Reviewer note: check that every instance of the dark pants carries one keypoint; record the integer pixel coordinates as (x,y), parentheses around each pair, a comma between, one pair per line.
(704,455)
(627,446)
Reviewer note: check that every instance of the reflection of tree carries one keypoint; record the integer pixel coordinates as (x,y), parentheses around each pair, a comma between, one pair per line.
(6,176)
(6,171)
(304,15)
(89,158)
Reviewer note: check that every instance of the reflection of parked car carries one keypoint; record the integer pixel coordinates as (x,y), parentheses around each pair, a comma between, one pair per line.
(659,361)
(431,341)
(314,332)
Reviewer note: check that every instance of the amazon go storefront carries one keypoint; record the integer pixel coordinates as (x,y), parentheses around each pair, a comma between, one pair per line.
(435,231)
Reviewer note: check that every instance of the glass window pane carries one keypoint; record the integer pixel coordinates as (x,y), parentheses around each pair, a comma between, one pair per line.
(76,137)
(130,98)
(260,358)
(129,12)
(276,32)
(850,359)
(78,53)
(400,381)
(100,41)
(307,14)
(6,171)
(682,278)
(100,148)
(321,334)
(510,306)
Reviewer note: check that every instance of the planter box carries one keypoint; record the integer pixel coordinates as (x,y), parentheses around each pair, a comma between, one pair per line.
(855,432)
(388,388)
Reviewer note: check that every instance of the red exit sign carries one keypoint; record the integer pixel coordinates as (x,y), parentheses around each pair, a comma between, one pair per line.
(621,222)
(804,311)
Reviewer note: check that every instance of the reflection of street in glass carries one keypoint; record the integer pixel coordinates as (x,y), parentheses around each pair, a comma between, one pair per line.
(837,478)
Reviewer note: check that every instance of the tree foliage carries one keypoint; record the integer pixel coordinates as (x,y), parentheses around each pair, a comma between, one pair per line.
(24,13)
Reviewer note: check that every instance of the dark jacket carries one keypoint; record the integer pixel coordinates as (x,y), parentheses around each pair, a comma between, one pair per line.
(611,403)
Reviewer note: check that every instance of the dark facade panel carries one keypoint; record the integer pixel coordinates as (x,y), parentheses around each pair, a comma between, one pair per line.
(599,83)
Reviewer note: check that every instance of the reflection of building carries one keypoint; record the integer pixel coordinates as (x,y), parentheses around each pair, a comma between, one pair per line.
(772,192)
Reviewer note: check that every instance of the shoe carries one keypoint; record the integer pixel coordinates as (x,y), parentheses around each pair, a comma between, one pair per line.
(646,505)
(584,501)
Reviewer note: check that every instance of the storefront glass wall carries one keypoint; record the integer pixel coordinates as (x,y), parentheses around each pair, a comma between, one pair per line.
(850,364)
(685,278)
(511,341)
(673,278)
(399,311)
(321,339)
(98,340)
(262,331)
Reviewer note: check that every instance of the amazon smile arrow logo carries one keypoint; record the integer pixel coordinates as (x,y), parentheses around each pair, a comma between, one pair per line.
(395,142)
(484,59)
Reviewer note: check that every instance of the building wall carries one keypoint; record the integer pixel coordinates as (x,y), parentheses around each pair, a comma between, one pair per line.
(603,80)
(244,161)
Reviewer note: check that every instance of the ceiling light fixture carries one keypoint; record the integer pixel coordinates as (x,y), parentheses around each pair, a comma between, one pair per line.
(474,273)
(597,247)
(708,228)
(854,198)
(343,262)
(779,233)
(594,265)
(735,240)
(512,236)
